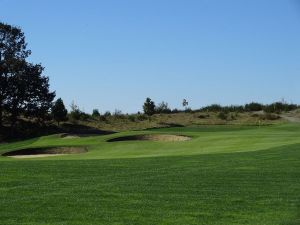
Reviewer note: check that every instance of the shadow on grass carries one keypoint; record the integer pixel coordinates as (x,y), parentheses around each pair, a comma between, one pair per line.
(46,151)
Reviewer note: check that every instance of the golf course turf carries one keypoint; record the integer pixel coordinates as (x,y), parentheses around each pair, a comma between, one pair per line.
(224,175)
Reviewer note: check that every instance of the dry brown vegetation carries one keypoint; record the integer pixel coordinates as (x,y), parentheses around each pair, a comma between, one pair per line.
(136,122)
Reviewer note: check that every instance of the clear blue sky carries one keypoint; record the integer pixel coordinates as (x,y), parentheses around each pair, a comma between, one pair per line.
(115,53)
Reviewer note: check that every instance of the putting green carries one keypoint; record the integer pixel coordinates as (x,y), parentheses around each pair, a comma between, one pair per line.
(223,175)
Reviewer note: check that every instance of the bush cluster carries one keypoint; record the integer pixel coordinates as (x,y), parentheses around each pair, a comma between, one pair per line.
(276,107)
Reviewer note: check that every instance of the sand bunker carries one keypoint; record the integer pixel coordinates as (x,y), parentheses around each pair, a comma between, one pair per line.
(72,136)
(44,152)
(152,137)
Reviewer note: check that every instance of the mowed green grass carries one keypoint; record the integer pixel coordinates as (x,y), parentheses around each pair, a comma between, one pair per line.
(224,175)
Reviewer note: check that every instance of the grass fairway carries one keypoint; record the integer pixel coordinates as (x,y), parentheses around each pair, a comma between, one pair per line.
(224,175)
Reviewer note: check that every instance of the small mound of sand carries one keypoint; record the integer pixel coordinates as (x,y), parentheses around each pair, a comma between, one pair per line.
(72,136)
(152,137)
(44,152)
(69,136)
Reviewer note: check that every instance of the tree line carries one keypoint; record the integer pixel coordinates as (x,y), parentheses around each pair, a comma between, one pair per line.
(150,108)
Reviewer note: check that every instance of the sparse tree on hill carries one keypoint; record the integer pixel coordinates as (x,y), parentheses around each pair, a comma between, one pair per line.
(75,113)
(117,113)
(59,111)
(149,107)
(185,103)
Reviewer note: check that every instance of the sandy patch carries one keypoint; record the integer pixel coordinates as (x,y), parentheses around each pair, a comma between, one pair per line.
(72,136)
(44,152)
(152,137)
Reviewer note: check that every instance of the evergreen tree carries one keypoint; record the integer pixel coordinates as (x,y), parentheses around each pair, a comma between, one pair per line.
(95,113)
(59,111)
(149,107)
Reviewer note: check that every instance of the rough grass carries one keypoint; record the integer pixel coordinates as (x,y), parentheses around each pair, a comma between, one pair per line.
(133,122)
(224,175)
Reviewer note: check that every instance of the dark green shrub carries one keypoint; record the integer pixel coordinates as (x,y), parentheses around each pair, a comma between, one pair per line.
(203,116)
(102,118)
(118,114)
(163,108)
(96,113)
(132,118)
(232,116)
(107,114)
(212,108)
(142,117)
(175,111)
(188,110)
(278,107)
(84,116)
(222,115)
(254,106)
(269,116)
